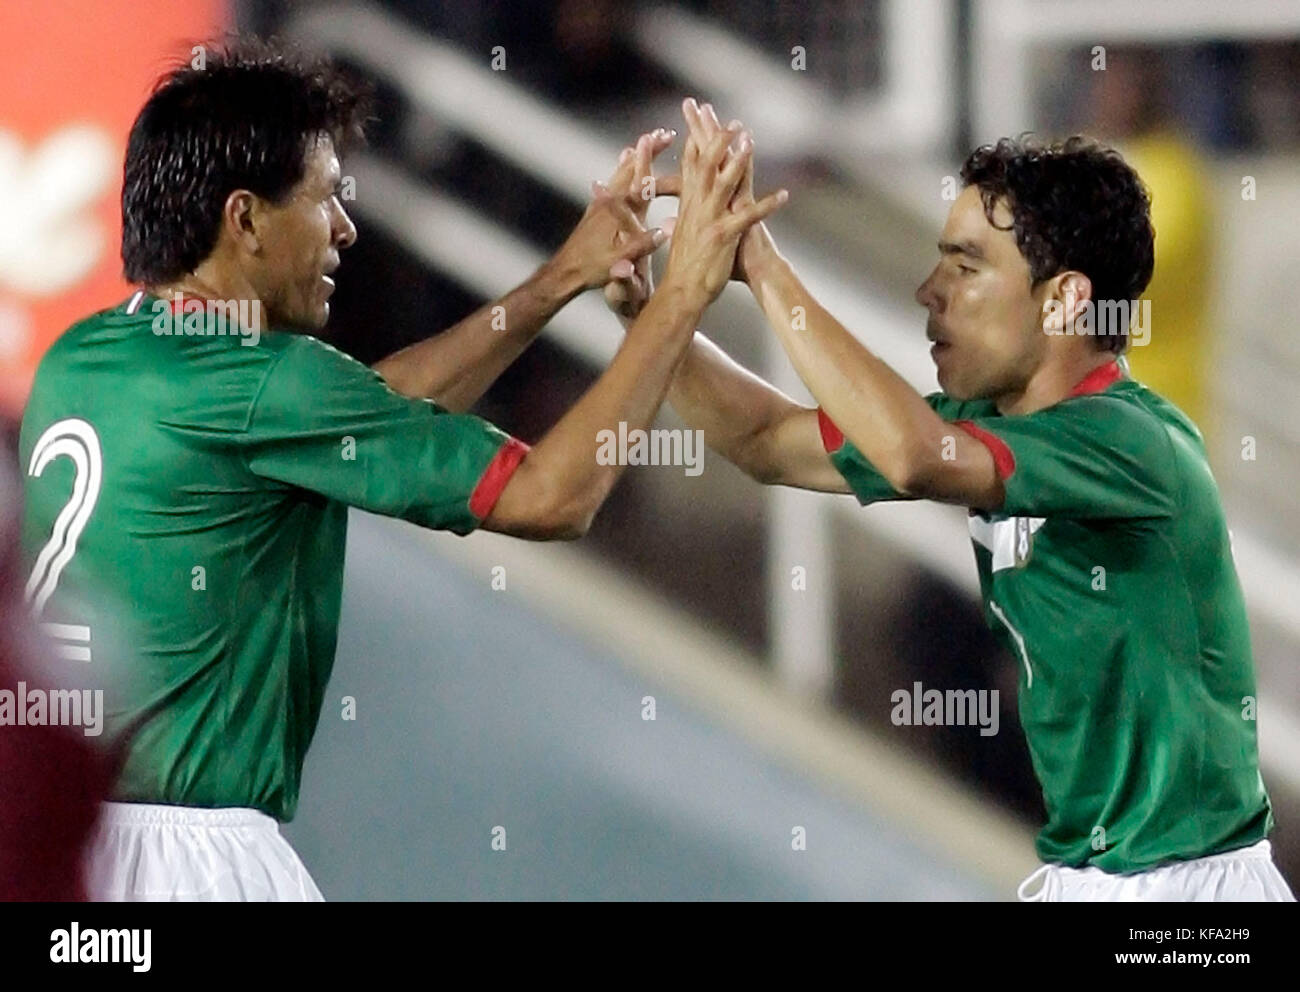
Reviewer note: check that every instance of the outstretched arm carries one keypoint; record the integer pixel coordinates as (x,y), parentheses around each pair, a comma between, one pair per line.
(887,420)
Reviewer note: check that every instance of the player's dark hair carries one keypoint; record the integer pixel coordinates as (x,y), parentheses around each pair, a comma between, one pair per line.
(1075,205)
(238,116)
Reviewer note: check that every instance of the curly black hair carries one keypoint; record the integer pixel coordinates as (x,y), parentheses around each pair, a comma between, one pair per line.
(1075,205)
(240,117)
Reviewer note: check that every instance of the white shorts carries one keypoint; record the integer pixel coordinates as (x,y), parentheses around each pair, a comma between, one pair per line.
(1245,875)
(141,852)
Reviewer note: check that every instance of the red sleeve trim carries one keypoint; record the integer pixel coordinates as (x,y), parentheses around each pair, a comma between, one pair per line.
(1003,460)
(495,477)
(832,436)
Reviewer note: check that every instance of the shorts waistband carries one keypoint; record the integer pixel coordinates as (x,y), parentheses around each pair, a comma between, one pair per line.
(159,815)
(1261,849)
(1051,874)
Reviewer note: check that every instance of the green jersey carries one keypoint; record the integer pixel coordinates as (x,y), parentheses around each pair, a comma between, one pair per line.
(1109,576)
(204,480)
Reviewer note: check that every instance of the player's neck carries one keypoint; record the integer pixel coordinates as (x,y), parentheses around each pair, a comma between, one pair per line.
(207,282)
(1053,382)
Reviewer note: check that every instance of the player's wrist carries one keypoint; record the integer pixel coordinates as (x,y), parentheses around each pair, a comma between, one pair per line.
(763,264)
(560,279)
(686,293)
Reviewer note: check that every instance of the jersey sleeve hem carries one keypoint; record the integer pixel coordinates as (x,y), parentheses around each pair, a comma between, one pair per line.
(494,478)
(1003,458)
(832,436)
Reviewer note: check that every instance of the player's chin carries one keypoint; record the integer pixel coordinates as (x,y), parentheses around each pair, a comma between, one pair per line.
(945,377)
(954,384)
(315,315)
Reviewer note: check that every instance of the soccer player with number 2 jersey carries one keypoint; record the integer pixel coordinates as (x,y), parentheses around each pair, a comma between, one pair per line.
(196,473)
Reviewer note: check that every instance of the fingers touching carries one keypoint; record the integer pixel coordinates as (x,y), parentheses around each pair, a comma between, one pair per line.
(634,164)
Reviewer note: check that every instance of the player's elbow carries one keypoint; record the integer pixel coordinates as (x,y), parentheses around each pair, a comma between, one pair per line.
(765,473)
(757,456)
(564,515)
(576,527)
(560,512)
(912,470)
(567,522)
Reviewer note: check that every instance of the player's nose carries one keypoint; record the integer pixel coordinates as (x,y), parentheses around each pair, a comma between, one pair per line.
(345,232)
(927,294)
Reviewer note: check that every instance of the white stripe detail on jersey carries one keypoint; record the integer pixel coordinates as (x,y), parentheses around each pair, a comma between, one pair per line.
(67,631)
(999,537)
(77,440)
(1020,641)
(135,301)
(63,633)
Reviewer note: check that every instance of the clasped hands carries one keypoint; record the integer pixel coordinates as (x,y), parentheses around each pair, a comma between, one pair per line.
(718,233)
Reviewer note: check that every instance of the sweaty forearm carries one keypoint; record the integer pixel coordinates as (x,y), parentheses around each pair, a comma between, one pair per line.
(455,368)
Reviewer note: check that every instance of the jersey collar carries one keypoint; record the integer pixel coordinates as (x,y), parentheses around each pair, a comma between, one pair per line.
(1099,379)
(143,302)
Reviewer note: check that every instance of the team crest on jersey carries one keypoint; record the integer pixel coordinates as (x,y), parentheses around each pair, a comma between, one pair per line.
(1010,540)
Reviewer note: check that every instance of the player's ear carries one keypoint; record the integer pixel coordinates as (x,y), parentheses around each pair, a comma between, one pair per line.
(1063,299)
(243,217)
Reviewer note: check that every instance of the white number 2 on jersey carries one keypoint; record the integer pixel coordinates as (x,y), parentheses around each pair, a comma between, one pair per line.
(77,440)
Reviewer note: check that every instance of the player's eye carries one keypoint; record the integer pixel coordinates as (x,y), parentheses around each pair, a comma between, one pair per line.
(966,270)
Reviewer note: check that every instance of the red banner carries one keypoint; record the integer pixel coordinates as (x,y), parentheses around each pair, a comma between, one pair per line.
(74,73)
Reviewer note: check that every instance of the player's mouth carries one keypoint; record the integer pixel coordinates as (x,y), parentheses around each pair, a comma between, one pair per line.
(939,344)
(326,274)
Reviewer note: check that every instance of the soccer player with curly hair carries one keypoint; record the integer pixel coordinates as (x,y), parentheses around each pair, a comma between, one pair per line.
(1135,692)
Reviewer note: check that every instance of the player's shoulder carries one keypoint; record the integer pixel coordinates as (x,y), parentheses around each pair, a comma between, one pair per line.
(1127,418)
(307,360)
(1125,405)
(76,334)
(1161,409)
(306,373)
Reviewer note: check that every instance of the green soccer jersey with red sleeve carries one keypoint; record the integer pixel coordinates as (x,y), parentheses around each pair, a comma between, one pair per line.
(186,495)
(1109,576)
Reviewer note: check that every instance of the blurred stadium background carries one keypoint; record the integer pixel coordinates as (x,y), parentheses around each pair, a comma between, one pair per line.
(480,707)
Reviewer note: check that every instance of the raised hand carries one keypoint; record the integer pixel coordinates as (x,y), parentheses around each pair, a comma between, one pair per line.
(611,237)
(709,226)
(631,285)
(756,244)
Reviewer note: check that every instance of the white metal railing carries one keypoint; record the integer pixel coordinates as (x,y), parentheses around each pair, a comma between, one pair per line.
(466,93)
(1005,32)
(911,113)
